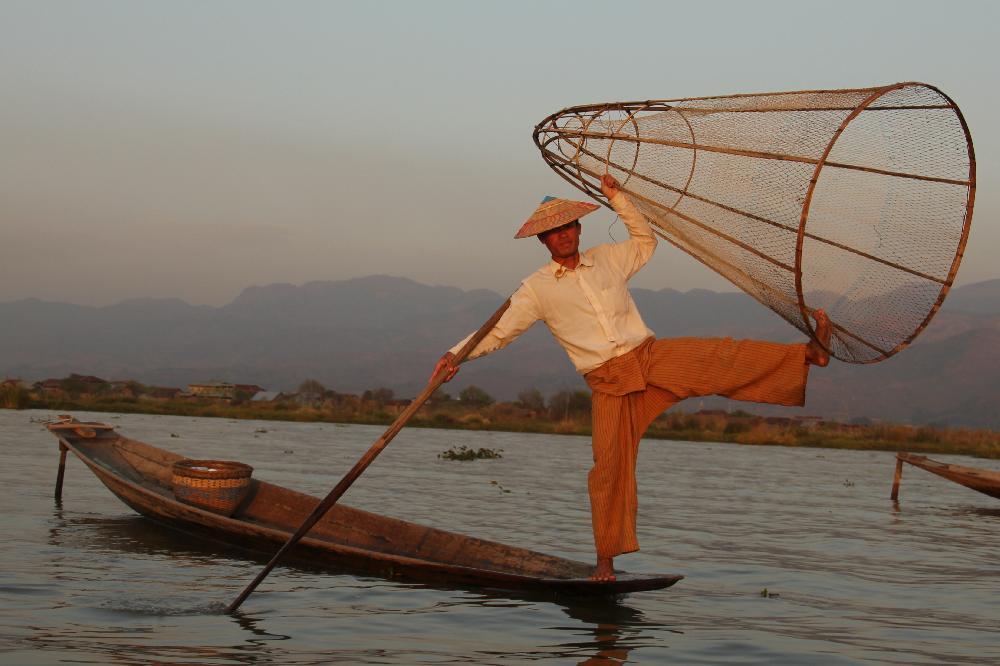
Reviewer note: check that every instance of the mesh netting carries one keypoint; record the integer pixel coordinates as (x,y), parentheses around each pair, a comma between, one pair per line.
(854,201)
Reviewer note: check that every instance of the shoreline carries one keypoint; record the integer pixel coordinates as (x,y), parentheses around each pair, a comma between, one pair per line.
(735,428)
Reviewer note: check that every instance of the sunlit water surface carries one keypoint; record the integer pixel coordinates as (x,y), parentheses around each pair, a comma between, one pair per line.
(850,576)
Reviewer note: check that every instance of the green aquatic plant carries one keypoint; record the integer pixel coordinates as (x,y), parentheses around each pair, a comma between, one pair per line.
(465,453)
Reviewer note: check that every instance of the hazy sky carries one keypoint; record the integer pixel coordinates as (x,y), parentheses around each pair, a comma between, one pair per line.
(191,149)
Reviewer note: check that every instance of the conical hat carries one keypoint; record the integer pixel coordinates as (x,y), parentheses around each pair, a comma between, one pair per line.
(552,213)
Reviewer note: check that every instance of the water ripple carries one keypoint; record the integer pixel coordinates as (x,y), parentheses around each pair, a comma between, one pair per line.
(790,556)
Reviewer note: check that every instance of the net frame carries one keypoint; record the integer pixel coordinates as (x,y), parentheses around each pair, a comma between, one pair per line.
(582,142)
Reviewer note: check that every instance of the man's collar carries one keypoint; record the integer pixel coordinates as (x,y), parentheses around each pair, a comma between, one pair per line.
(558,270)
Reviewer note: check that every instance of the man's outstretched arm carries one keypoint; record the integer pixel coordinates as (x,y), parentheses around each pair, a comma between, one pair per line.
(522,313)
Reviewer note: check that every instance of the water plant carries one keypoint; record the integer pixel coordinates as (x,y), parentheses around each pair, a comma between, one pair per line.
(465,453)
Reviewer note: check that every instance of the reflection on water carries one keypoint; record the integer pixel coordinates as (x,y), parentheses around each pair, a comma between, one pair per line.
(609,628)
(850,575)
(250,624)
(134,534)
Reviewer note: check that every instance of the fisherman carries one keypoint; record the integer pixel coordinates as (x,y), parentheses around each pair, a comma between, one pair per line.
(584,300)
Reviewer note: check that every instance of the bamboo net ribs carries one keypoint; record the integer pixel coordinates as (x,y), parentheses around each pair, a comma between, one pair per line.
(854,201)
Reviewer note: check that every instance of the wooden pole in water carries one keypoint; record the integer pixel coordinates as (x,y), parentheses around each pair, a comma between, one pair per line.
(370,455)
(896,479)
(62,471)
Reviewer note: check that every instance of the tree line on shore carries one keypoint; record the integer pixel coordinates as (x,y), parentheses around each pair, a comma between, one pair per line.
(563,412)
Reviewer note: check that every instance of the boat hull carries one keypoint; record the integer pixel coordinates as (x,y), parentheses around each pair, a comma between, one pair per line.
(347,539)
(981,480)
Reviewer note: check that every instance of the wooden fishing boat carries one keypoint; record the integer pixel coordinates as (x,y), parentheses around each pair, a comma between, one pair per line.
(985,481)
(346,538)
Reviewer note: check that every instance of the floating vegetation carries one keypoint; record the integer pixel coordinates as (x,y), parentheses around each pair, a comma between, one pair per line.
(465,453)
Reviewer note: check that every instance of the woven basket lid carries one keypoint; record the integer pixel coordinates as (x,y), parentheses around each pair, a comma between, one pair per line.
(552,213)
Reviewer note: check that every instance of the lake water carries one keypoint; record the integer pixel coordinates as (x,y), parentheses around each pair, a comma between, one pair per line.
(850,576)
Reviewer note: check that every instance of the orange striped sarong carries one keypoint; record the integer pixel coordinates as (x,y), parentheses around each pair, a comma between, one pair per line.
(633,389)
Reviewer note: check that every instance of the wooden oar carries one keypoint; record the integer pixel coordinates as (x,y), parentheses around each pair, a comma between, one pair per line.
(376,448)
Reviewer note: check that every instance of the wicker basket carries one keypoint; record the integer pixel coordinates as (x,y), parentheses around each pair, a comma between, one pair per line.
(216,485)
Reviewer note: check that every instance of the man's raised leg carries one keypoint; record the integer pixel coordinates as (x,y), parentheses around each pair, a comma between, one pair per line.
(817,354)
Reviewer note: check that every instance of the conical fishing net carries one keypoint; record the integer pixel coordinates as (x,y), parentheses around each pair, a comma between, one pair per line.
(854,201)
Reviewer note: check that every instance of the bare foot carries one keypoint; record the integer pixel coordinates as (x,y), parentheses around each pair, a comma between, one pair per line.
(816,352)
(605,570)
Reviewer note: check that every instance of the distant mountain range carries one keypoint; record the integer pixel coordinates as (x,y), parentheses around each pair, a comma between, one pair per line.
(381,331)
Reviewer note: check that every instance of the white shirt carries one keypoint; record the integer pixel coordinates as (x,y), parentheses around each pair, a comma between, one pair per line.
(588,309)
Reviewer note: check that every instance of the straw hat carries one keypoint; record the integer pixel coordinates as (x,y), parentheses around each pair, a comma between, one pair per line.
(552,213)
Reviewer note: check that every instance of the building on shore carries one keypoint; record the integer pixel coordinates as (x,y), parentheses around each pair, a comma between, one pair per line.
(223,391)
(213,390)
